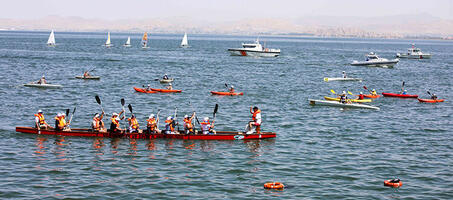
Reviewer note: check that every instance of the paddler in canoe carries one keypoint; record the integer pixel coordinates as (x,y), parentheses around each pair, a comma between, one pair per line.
(360,97)
(133,124)
(169,87)
(255,124)
(165,77)
(188,125)
(231,89)
(151,126)
(59,122)
(373,92)
(344,98)
(207,127)
(40,122)
(42,80)
(115,125)
(86,74)
(97,124)
(170,125)
(434,96)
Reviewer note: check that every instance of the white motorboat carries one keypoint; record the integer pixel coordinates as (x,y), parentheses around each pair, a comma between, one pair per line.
(51,40)
(338,104)
(108,43)
(184,41)
(327,79)
(414,53)
(254,49)
(374,60)
(128,42)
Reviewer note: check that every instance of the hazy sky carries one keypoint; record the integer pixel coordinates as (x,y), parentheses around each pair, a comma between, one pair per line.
(222,10)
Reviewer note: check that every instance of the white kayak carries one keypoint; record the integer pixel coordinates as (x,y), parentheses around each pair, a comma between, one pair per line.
(326,79)
(42,85)
(166,80)
(338,104)
(89,77)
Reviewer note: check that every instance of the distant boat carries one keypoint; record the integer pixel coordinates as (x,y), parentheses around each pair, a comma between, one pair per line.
(184,42)
(128,42)
(108,43)
(374,60)
(414,53)
(51,40)
(254,49)
(145,41)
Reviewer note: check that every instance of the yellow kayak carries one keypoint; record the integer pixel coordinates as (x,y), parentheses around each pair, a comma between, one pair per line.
(353,100)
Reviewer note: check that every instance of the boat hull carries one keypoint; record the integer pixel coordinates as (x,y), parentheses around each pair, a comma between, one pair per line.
(326,79)
(166,80)
(431,100)
(338,104)
(89,78)
(399,95)
(226,93)
(352,100)
(144,90)
(50,86)
(165,90)
(372,96)
(421,56)
(221,135)
(241,52)
(385,64)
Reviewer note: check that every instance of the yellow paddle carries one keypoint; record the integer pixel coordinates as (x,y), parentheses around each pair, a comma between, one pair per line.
(350,93)
(326,79)
(332,91)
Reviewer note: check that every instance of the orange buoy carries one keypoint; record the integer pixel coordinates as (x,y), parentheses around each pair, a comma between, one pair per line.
(393,183)
(274,185)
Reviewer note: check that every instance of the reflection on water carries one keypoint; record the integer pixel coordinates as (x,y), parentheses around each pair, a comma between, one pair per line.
(60,150)
(40,149)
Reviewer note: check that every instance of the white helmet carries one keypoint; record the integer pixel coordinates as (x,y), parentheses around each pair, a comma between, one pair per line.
(361,93)
(59,114)
(151,116)
(39,111)
(186,116)
(206,119)
(97,115)
(169,84)
(115,114)
(374,90)
(344,92)
(169,118)
(344,72)
(232,86)
(149,85)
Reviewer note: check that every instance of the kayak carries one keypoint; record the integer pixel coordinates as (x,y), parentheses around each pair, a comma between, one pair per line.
(372,96)
(338,104)
(166,80)
(326,79)
(226,93)
(399,95)
(89,77)
(220,135)
(143,90)
(353,100)
(165,90)
(431,100)
(51,86)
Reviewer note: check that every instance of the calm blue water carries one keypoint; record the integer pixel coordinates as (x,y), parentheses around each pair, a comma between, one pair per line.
(320,152)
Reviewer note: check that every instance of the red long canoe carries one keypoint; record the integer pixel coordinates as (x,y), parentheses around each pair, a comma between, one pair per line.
(431,100)
(221,135)
(165,90)
(227,93)
(143,90)
(399,95)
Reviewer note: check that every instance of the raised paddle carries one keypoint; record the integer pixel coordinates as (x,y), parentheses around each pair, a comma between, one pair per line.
(333,91)
(73,111)
(364,87)
(130,108)
(430,94)
(350,93)
(195,114)
(67,112)
(216,108)
(402,87)
(157,118)
(174,120)
(99,102)
(124,112)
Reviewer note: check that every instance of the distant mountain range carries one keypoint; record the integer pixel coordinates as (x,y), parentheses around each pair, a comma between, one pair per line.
(401,26)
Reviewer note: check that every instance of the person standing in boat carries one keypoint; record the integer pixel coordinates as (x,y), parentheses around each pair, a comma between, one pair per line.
(133,124)
(42,80)
(188,125)
(98,125)
(207,127)
(40,122)
(115,125)
(151,126)
(256,120)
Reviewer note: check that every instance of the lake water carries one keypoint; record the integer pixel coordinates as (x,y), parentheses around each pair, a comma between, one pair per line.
(319,152)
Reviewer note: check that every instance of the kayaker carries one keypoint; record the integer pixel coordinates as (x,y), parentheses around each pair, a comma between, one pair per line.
(115,125)
(42,80)
(343,97)
(59,124)
(361,96)
(206,126)
(404,92)
(40,122)
(165,77)
(256,120)
(86,74)
(344,74)
(169,87)
(151,126)
(133,124)
(188,126)
(434,96)
(232,89)
(148,88)
(373,92)
(170,125)
(98,125)
(65,123)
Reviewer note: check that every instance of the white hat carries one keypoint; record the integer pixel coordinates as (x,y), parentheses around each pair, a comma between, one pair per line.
(169,84)
(39,111)
(405,90)
(361,93)
(149,85)
(59,115)
(114,114)
(186,116)
(43,76)
(206,119)
(343,71)
(62,114)
(232,86)
(169,118)
(374,89)
(344,92)
(97,115)
(151,116)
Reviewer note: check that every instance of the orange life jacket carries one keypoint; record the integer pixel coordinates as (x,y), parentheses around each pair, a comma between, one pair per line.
(188,123)
(254,114)
(62,122)
(204,124)
(41,118)
(134,122)
(170,124)
(152,124)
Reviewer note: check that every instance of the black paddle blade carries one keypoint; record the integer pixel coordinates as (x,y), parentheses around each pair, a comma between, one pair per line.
(98,99)
(216,108)
(67,112)
(226,85)
(429,93)
(403,83)
(364,87)
(130,107)
(122,102)
(74,110)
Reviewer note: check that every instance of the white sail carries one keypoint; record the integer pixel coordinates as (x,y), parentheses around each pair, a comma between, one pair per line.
(128,42)
(51,40)
(108,43)
(184,42)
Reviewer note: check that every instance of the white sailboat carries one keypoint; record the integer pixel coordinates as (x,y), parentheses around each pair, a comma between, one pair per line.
(145,41)
(128,42)
(184,42)
(108,43)
(51,40)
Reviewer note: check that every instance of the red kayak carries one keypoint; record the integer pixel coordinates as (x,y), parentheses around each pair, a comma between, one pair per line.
(399,95)
(431,100)
(227,93)
(143,90)
(165,90)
